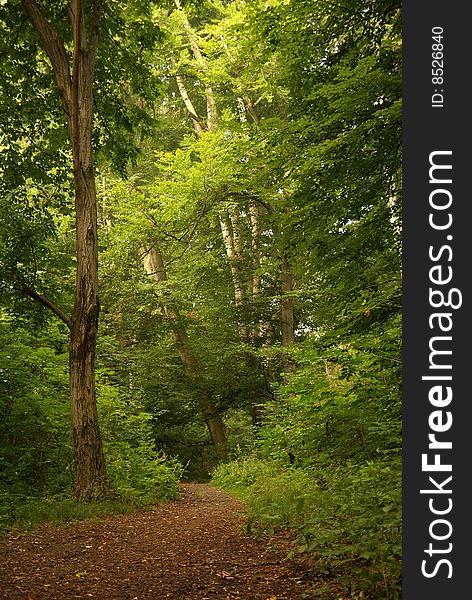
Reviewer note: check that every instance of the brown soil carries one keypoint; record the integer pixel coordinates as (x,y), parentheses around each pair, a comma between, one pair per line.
(194,548)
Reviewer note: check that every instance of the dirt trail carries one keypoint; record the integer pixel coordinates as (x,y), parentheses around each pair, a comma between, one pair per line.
(191,549)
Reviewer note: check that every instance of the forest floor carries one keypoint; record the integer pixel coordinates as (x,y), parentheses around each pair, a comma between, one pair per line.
(195,548)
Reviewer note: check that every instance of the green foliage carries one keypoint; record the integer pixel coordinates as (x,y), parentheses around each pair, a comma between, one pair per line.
(136,468)
(348,518)
(142,471)
(28,512)
(36,456)
(35,445)
(343,401)
(308,130)
(355,525)
(242,473)
(338,417)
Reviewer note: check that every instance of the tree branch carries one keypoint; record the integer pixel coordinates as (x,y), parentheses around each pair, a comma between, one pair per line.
(54,48)
(188,105)
(31,293)
(13,38)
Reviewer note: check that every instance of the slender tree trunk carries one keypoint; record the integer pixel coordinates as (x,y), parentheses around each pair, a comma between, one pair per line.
(228,240)
(286,305)
(231,230)
(189,106)
(75,86)
(154,267)
(256,253)
(232,244)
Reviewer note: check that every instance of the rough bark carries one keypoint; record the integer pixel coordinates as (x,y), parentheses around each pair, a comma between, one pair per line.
(155,268)
(75,87)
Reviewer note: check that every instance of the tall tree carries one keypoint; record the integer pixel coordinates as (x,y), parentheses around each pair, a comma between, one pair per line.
(74,80)
(155,268)
(59,45)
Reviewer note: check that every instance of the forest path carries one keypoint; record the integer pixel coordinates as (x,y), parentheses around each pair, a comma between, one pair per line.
(192,549)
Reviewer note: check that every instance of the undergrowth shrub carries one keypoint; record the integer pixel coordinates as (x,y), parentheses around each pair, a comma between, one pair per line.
(135,466)
(28,512)
(354,526)
(243,472)
(35,435)
(36,468)
(142,472)
(326,463)
(349,521)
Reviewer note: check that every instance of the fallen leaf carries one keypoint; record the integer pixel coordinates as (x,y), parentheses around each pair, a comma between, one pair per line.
(81,574)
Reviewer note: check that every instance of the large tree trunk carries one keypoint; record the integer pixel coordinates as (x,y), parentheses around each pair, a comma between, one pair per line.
(155,268)
(75,86)
(90,462)
(91,476)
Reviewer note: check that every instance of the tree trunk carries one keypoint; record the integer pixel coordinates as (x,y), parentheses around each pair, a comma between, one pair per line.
(75,87)
(232,257)
(91,479)
(256,253)
(286,305)
(189,106)
(232,244)
(154,267)
(90,462)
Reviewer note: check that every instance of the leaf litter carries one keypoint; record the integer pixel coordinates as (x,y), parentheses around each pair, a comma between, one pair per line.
(194,548)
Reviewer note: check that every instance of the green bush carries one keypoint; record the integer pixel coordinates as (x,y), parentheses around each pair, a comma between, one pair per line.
(242,473)
(136,468)
(141,472)
(35,435)
(355,526)
(349,521)
(36,453)
(327,464)
(27,512)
